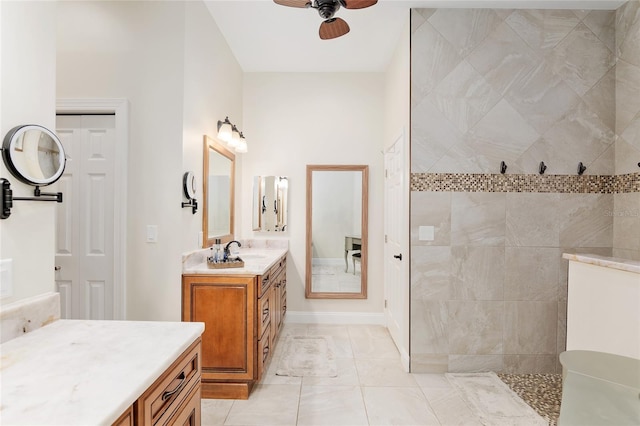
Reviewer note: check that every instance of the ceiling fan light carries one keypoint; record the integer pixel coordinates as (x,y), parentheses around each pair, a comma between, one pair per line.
(224,130)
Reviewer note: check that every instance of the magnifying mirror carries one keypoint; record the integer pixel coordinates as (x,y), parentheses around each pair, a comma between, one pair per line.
(34,155)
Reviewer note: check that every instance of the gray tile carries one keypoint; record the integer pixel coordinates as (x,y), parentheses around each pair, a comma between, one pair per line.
(478,219)
(475,363)
(429,327)
(530,328)
(430,273)
(581,59)
(259,408)
(532,273)
(331,405)
(477,273)
(626,221)
(627,100)
(214,411)
(585,222)
(431,209)
(397,406)
(465,28)
(603,25)
(530,364)
(429,363)
(541,29)
(601,99)
(475,327)
(383,372)
(627,30)
(532,220)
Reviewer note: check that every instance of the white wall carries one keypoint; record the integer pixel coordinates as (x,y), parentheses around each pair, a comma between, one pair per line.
(28,97)
(212,91)
(172,64)
(295,119)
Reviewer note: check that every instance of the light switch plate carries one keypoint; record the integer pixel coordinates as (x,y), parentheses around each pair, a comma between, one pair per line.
(6,277)
(426,233)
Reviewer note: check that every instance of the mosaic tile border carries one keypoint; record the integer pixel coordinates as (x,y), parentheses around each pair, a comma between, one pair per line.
(478,182)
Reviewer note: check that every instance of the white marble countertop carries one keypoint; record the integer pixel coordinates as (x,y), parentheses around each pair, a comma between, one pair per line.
(76,372)
(257,261)
(605,261)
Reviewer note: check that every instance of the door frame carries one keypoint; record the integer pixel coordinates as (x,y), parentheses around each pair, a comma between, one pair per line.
(119,107)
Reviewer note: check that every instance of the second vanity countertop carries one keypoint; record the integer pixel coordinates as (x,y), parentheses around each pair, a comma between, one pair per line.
(258,258)
(605,261)
(77,372)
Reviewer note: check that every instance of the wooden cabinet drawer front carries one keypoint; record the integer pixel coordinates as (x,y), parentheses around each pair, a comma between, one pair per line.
(264,282)
(162,399)
(126,419)
(189,413)
(264,313)
(264,351)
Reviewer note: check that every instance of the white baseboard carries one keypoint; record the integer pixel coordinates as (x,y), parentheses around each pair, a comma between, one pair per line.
(347,318)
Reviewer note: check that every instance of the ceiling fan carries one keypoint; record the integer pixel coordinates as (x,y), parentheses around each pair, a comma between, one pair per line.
(331,27)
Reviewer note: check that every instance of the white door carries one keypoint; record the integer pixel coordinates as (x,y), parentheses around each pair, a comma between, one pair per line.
(85,219)
(396,247)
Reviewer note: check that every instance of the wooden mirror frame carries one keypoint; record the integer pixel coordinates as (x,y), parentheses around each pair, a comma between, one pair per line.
(309,293)
(211,145)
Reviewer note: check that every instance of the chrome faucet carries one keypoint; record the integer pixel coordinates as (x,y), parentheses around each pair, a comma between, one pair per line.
(226,248)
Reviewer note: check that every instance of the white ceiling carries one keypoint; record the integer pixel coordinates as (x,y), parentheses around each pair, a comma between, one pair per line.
(266,37)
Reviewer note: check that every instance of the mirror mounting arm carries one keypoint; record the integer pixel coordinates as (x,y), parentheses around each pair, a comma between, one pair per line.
(7,198)
(193,203)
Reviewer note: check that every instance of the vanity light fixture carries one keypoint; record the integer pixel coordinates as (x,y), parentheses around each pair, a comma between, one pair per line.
(229,134)
(225,130)
(242,144)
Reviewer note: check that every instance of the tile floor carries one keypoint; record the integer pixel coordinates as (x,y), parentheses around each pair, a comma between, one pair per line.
(371,389)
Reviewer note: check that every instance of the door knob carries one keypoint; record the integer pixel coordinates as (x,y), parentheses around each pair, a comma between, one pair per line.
(398,256)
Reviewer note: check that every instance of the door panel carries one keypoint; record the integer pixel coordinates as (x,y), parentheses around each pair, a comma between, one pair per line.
(396,270)
(85,221)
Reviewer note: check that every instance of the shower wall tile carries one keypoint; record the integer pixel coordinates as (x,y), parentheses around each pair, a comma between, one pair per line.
(476,327)
(542,30)
(475,363)
(428,363)
(478,218)
(532,273)
(586,220)
(429,209)
(542,96)
(465,28)
(464,97)
(503,58)
(529,363)
(603,25)
(581,59)
(628,32)
(627,99)
(429,327)
(626,212)
(431,60)
(432,136)
(520,86)
(532,220)
(530,328)
(477,273)
(430,273)
(601,99)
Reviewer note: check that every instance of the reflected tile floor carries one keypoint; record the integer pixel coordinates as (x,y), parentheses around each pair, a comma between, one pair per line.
(371,389)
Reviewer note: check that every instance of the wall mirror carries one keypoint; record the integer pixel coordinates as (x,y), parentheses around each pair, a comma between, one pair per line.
(34,155)
(218,196)
(270,203)
(337,216)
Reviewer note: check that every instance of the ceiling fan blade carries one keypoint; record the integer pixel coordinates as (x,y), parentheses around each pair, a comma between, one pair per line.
(294,3)
(358,4)
(332,28)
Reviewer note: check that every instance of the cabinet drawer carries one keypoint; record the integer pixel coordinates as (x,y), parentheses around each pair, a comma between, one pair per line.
(126,419)
(264,352)
(189,413)
(264,313)
(159,403)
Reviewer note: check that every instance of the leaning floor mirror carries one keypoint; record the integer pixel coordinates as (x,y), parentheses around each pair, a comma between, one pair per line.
(337,216)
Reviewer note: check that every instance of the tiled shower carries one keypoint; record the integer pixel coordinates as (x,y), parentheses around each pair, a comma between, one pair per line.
(488,292)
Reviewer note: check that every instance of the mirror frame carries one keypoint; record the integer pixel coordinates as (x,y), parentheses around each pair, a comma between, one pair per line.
(211,144)
(10,144)
(309,293)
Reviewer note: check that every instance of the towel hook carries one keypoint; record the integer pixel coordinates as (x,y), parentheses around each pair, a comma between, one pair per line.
(581,168)
(542,168)
(503,167)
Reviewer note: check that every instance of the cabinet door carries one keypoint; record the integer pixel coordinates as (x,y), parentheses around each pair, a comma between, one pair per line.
(227,307)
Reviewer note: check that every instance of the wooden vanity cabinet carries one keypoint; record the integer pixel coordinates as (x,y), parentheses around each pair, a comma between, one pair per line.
(173,399)
(242,316)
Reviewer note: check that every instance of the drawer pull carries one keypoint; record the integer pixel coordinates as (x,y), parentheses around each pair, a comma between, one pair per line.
(265,313)
(169,394)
